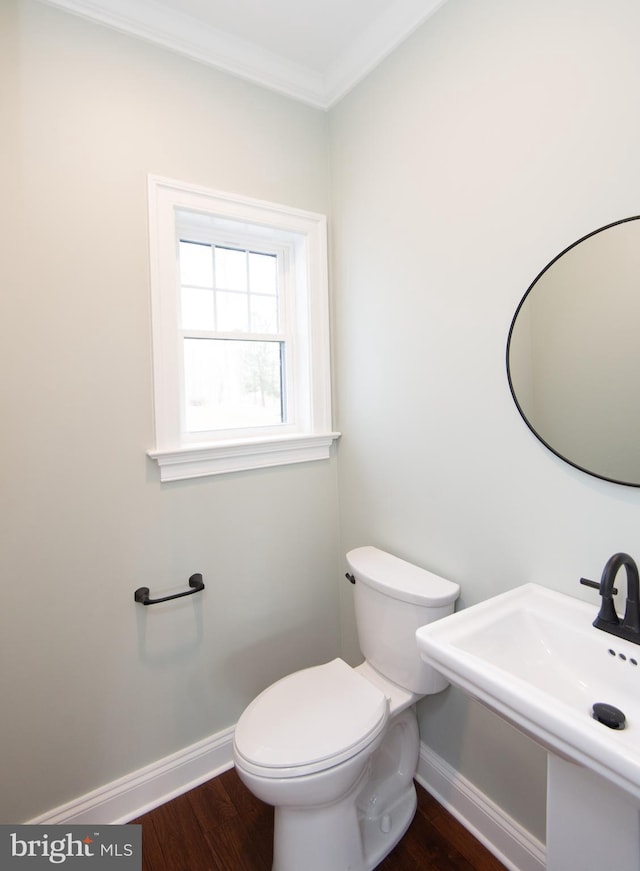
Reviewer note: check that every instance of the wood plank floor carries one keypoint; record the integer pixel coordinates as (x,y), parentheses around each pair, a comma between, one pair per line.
(221,826)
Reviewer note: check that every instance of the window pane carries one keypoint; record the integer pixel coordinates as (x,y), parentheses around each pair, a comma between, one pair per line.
(196,264)
(264,314)
(232,312)
(231,269)
(232,384)
(197,309)
(263,273)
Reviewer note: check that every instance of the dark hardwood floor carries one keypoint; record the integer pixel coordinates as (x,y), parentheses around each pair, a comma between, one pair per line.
(221,826)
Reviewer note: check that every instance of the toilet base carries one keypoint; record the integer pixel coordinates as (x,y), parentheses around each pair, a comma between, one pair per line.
(319,838)
(357,832)
(324,839)
(379,843)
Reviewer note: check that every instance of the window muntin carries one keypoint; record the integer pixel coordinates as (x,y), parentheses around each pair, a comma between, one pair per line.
(228,289)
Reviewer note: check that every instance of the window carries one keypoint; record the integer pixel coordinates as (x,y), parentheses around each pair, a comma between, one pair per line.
(240,332)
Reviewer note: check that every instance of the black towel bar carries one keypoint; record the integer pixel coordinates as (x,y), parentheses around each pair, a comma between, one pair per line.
(141,595)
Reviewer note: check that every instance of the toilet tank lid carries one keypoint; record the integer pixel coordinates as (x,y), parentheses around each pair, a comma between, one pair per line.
(400,579)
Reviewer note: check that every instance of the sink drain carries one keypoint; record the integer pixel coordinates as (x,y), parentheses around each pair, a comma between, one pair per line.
(609,716)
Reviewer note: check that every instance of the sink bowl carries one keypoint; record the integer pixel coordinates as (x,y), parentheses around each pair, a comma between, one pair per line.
(532,656)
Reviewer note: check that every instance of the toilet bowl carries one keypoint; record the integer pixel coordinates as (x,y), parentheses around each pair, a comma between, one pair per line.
(334,749)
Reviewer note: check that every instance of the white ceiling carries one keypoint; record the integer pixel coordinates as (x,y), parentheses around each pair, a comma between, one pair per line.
(312,50)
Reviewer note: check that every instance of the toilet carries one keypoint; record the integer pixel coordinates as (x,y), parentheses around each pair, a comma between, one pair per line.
(333,748)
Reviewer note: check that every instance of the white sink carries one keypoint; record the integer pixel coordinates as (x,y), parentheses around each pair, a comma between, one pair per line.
(533,657)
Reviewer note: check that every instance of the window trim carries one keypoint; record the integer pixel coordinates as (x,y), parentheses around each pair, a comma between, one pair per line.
(177,458)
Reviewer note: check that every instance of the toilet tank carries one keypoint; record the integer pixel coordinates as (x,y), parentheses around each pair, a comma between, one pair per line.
(392,599)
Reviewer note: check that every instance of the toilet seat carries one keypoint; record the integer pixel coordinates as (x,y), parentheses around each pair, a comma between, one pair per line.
(310,721)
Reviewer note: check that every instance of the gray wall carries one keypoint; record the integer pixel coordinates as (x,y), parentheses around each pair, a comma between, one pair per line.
(93,686)
(498,134)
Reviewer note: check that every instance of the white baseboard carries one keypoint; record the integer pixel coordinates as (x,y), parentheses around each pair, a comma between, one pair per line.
(509,842)
(127,798)
(134,794)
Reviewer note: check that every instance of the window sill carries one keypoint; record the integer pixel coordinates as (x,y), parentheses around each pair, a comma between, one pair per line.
(217,459)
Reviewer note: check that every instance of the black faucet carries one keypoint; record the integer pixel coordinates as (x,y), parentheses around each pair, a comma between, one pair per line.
(608,619)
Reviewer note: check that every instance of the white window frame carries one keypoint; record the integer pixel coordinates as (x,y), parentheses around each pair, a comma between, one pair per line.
(307,435)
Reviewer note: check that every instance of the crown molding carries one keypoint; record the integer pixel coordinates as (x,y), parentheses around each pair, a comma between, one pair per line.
(187,36)
(375,43)
(199,41)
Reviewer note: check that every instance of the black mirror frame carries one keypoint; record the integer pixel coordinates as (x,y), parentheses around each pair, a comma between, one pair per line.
(509,337)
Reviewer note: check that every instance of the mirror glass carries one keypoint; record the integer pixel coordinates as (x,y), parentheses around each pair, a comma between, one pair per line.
(573,354)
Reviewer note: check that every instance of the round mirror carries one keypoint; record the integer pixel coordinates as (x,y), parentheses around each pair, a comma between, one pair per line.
(573,354)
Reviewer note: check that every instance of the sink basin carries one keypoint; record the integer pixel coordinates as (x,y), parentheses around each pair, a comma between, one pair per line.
(532,656)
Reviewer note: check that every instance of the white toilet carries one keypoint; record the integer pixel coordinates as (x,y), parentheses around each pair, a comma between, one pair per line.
(334,749)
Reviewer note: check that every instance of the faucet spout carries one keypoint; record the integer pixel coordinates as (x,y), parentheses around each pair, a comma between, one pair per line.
(608,619)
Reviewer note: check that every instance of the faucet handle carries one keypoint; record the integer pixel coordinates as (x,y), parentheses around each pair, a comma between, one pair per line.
(596,586)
